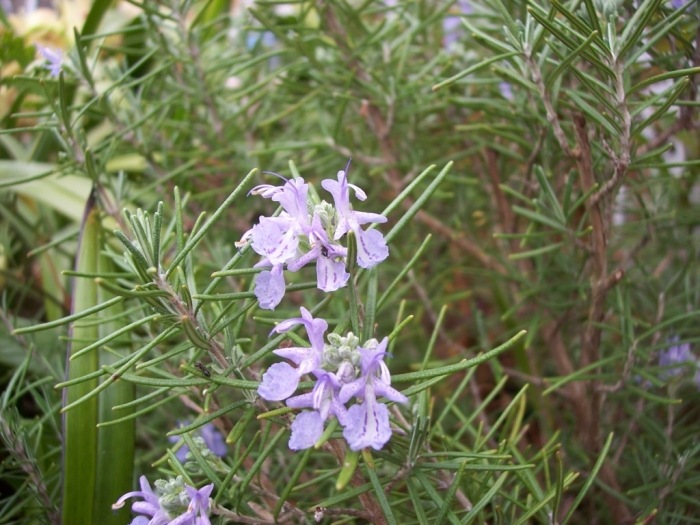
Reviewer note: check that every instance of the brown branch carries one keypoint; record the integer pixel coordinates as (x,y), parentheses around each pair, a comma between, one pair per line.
(598,246)
(506,214)
(600,283)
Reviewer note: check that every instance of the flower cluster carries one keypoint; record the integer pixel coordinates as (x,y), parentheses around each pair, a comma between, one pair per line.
(175,503)
(305,232)
(343,369)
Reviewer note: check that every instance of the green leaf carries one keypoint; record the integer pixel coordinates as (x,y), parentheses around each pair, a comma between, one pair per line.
(379,493)
(95,16)
(115,443)
(566,63)
(675,92)
(79,424)
(197,237)
(485,500)
(347,470)
(590,479)
(462,365)
(635,26)
(370,305)
(475,68)
(451,492)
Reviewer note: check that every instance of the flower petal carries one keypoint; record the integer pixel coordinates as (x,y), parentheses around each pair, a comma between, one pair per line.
(389,392)
(213,439)
(350,390)
(278,382)
(298,263)
(275,238)
(367,425)
(301,401)
(269,288)
(306,430)
(331,274)
(293,199)
(364,217)
(371,248)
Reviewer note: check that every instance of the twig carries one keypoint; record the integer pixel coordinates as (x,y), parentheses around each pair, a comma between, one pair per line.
(621,160)
(552,116)
(590,344)
(323,512)
(15,444)
(600,283)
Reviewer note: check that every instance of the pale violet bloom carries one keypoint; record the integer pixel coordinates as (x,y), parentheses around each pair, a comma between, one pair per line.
(367,423)
(371,245)
(323,399)
(269,286)
(175,503)
(307,233)
(212,440)
(149,508)
(343,370)
(198,508)
(506,90)
(452,26)
(330,259)
(277,240)
(678,358)
(306,429)
(54,57)
(281,380)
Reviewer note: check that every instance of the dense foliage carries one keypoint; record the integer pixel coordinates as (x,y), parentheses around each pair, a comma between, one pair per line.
(535,165)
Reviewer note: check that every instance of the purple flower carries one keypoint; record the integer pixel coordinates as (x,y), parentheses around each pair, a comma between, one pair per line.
(212,438)
(676,358)
(324,400)
(506,90)
(335,366)
(150,506)
(54,58)
(178,504)
(371,246)
(305,233)
(330,259)
(452,25)
(277,238)
(198,509)
(306,430)
(677,4)
(367,424)
(269,286)
(281,380)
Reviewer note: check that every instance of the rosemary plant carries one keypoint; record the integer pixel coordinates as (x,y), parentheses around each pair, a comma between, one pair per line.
(211,315)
